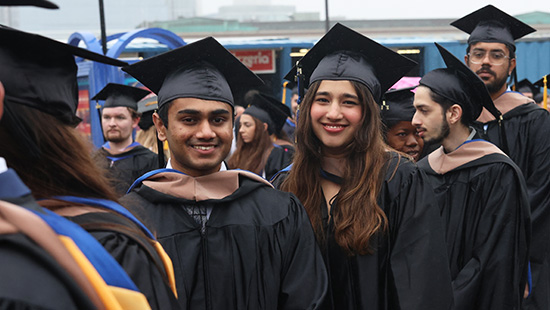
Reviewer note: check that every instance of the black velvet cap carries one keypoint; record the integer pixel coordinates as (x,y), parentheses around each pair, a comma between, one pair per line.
(119,95)
(525,86)
(344,54)
(203,69)
(460,85)
(397,105)
(490,24)
(147,104)
(269,110)
(41,73)
(39,3)
(540,83)
(146,107)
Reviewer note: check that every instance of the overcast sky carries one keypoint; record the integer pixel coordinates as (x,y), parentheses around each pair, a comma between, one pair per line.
(396,9)
(125,15)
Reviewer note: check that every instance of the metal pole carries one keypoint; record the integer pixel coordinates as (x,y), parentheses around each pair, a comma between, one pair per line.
(102,25)
(326,17)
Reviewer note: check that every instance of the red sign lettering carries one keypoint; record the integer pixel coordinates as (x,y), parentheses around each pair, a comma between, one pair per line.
(258,61)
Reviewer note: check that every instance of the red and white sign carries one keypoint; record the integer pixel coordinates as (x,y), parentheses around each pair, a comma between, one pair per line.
(258,61)
(83,111)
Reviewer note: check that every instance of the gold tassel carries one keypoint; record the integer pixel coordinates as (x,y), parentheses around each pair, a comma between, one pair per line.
(545,93)
(283,100)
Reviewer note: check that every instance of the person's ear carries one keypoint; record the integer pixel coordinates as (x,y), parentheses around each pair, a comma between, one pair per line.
(512,66)
(135,122)
(454,114)
(265,126)
(159,125)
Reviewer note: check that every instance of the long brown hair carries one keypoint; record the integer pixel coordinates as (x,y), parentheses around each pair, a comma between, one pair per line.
(51,158)
(252,156)
(358,218)
(54,159)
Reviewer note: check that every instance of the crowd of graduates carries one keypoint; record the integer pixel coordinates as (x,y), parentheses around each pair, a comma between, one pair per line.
(362,195)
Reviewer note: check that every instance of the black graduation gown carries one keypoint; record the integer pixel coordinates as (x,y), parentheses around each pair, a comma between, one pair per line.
(485,211)
(30,277)
(408,269)
(256,251)
(279,158)
(120,237)
(135,254)
(127,167)
(526,128)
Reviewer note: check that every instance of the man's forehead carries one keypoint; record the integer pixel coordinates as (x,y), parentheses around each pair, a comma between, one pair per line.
(199,106)
(419,103)
(422,96)
(115,111)
(492,46)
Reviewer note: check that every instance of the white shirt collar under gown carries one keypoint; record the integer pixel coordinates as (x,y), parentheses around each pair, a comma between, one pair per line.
(223,166)
(3,165)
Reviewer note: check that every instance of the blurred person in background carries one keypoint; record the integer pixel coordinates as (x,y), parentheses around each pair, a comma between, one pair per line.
(397,111)
(256,150)
(123,158)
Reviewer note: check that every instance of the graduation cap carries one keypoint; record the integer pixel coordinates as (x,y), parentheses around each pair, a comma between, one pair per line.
(540,83)
(148,104)
(525,86)
(146,107)
(269,110)
(203,69)
(41,73)
(39,3)
(397,105)
(344,54)
(460,85)
(119,95)
(490,24)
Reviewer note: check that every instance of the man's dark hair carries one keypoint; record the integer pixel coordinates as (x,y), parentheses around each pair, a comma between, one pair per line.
(163,113)
(447,103)
(134,114)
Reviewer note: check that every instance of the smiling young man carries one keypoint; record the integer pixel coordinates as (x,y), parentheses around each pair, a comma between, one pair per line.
(236,242)
(123,158)
(481,192)
(491,54)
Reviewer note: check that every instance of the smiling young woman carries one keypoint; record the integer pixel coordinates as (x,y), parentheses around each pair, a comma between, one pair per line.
(375,218)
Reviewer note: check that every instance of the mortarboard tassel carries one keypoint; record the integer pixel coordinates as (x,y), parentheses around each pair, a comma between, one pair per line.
(545,93)
(300,80)
(283,99)
(515,80)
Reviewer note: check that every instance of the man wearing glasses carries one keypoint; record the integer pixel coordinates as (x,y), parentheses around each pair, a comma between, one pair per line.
(520,131)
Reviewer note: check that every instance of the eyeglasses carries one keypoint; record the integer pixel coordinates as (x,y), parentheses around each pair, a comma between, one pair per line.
(496,58)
